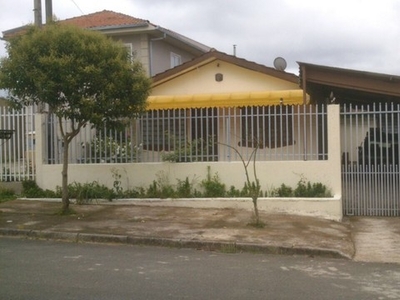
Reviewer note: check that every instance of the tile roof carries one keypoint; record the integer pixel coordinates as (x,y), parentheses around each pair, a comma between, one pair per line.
(214,55)
(105,18)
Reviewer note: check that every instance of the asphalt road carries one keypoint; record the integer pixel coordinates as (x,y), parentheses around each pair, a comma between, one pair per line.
(32,269)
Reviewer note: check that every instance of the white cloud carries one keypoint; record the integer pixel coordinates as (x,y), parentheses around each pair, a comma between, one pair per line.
(354,34)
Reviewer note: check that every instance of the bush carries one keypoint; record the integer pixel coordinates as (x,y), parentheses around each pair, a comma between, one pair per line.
(283,191)
(85,193)
(304,190)
(184,189)
(6,194)
(30,189)
(213,187)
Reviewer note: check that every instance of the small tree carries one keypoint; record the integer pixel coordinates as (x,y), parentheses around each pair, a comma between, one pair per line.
(83,76)
(252,188)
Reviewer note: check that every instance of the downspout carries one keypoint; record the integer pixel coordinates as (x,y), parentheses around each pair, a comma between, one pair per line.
(304,87)
(151,51)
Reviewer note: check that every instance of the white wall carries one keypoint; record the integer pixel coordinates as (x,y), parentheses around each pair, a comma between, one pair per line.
(270,173)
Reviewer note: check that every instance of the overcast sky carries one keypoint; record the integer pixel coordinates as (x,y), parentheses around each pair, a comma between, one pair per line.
(355,34)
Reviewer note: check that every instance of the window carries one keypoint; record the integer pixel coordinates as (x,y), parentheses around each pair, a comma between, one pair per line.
(162,128)
(176,59)
(267,126)
(190,133)
(130,50)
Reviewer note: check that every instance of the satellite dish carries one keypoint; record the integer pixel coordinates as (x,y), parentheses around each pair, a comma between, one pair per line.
(280,64)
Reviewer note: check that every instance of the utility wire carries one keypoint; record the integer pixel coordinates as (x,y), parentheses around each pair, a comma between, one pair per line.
(78,7)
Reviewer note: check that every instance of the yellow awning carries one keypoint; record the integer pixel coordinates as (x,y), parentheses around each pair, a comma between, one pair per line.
(286,97)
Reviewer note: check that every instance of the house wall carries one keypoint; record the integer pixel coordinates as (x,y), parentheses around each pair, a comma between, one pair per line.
(154,54)
(161,55)
(235,79)
(270,173)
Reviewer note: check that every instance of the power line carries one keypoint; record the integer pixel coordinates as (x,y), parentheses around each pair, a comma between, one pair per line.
(78,7)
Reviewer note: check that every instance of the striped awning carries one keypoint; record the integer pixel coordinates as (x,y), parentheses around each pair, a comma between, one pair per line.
(286,97)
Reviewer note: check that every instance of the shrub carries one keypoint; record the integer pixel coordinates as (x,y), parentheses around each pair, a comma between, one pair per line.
(303,189)
(30,189)
(184,188)
(234,192)
(212,185)
(6,194)
(283,191)
(85,193)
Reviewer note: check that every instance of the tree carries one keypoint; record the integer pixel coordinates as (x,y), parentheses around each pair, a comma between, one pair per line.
(83,76)
(252,188)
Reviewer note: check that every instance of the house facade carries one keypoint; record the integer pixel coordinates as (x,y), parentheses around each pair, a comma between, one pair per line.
(157,48)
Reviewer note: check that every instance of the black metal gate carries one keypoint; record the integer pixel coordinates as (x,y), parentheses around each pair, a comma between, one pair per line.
(370,160)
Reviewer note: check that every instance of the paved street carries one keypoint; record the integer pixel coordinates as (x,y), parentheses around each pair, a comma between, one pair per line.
(33,269)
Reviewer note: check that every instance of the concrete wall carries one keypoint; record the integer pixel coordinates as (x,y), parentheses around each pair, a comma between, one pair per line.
(270,173)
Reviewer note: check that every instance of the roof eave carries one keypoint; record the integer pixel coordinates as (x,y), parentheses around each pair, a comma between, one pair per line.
(215,55)
(192,43)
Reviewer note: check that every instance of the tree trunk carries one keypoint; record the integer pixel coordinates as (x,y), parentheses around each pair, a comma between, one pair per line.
(64,174)
(256,214)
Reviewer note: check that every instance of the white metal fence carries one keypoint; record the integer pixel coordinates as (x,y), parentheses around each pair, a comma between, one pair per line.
(193,135)
(370,160)
(17,151)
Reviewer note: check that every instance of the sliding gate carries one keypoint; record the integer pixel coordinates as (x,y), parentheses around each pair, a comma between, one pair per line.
(370,160)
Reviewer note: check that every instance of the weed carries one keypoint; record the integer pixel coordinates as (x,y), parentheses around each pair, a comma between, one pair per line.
(30,189)
(117,182)
(212,185)
(7,194)
(304,189)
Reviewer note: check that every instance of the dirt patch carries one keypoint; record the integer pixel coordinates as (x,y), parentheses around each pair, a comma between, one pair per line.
(230,225)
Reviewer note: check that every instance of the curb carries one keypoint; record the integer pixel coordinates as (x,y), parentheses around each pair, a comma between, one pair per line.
(224,247)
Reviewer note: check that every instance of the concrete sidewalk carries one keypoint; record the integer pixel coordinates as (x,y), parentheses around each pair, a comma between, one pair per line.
(209,229)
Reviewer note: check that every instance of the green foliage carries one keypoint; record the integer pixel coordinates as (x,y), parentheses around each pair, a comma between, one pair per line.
(7,194)
(184,188)
(283,191)
(117,182)
(234,192)
(87,192)
(112,150)
(83,76)
(310,190)
(30,189)
(304,189)
(212,185)
(187,151)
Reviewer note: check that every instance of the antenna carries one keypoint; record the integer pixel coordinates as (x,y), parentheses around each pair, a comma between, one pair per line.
(280,64)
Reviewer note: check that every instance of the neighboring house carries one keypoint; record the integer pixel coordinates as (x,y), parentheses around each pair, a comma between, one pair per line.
(354,89)
(327,84)
(157,48)
(369,134)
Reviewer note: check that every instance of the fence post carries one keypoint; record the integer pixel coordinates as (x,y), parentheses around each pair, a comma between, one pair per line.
(334,149)
(40,123)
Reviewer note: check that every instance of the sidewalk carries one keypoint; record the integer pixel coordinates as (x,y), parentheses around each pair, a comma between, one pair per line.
(365,239)
(359,238)
(209,229)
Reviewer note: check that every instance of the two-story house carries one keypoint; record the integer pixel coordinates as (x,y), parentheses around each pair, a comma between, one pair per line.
(157,48)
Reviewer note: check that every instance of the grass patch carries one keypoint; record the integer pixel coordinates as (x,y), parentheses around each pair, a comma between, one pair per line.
(7,195)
